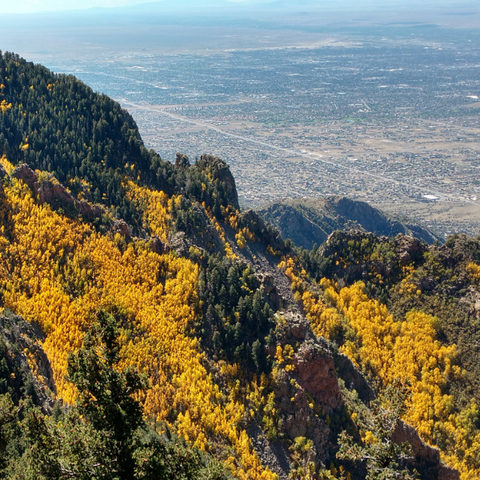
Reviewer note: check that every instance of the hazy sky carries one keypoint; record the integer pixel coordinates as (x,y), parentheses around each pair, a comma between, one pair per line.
(29,6)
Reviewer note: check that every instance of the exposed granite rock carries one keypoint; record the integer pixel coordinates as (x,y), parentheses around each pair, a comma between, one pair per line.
(274,455)
(50,191)
(54,194)
(25,173)
(407,248)
(271,291)
(88,210)
(178,243)
(120,226)
(24,338)
(157,246)
(299,328)
(426,457)
(406,433)
(182,161)
(316,373)
(313,378)
(353,378)
(220,172)
(471,302)
(298,418)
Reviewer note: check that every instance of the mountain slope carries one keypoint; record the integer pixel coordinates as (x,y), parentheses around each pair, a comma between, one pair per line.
(310,221)
(226,322)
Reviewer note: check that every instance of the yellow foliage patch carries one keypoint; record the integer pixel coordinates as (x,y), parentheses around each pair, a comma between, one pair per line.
(474,271)
(155,207)
(406,350)
(4,106)
(57,272)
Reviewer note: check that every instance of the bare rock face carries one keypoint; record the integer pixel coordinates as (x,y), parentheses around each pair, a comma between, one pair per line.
(55,194)
(272,454)
(424,454)
(308,390)
(178,243)
(299,327)
(157,246)
(315,370)
(273,296)
(182,161)
(25,173)
(471,301)
(353,378)
(298,418)
(407,248)
(406,433)
(25,350)
(313,378)
(88,210)
(120,226)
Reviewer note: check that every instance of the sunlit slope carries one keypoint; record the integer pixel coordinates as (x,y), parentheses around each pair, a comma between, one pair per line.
(61,266)
(404,311)
(57,272)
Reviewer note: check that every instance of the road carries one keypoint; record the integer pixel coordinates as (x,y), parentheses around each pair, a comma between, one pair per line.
(294,152)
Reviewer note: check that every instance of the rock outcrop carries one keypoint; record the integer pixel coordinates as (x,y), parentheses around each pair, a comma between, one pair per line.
(157,246)
(426,457)
(315,371)
(182,161)
(50,191)
(310,377)
(28,364)
(353,378)
(219,172)
(407,248)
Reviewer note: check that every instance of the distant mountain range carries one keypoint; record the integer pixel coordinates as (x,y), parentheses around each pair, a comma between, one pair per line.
(187,6)
(289,5)
(310,221)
